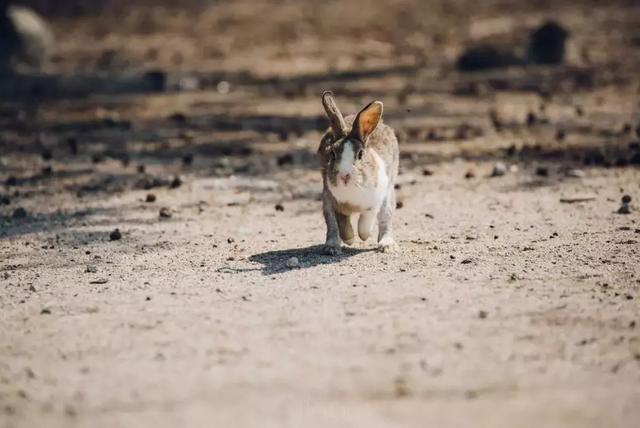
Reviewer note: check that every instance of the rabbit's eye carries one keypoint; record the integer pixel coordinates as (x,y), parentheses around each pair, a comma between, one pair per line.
(359,155)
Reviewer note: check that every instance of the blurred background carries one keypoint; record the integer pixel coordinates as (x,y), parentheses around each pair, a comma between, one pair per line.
(105,95)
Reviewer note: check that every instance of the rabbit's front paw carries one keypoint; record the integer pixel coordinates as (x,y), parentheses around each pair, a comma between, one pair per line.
(332,249)
(387,245)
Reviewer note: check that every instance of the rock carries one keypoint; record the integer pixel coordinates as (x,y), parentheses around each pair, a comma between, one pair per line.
(547,44)
(115,235)
(19,213)
(575,173)
(427,172)
(175,183)
(293,263)
(5,200)
(399,205)
(279,207)
(91,269)
(542,171)
(624,209)
(45,311)
(285,159)
(25,38)
(499,169)
(469,174)
(231,240)
(165,212)
(485,57)
(150,198)
(482,314)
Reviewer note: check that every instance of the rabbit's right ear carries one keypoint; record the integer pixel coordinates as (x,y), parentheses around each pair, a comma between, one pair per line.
(338,125)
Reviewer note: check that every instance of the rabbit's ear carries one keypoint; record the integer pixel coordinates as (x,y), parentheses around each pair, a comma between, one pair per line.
(338,125)
(366,121)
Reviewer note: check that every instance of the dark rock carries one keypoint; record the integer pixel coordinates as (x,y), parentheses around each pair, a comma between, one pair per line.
(45,311)
(115,235)
(286,159)
(5,200)
(626,199)
(97,158)
(19,213)
(175,183)
(279,207)
(427,172)
(11,181)
(485,57)
(542,171)
(150,197)
(469,174)
(560,135)
(46,154)
(399,205)
(47,170)
(547,44)
(624,209)
(179,118)
(165,212)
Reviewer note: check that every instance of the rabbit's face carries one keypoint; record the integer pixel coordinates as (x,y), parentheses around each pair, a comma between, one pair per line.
(346,161)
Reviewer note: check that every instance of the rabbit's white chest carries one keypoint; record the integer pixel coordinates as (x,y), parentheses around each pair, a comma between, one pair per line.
(363,197)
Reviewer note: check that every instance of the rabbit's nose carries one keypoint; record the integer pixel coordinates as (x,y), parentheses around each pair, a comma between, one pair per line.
(345,178)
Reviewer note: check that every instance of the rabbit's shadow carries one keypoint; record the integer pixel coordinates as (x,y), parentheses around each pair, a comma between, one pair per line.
(275,262)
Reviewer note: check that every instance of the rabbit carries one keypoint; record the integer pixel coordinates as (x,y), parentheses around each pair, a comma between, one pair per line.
(359,157)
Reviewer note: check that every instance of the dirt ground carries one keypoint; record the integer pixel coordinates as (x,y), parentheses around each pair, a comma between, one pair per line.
(513,301)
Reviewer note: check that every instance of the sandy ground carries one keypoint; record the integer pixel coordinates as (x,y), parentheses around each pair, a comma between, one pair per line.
(505,306)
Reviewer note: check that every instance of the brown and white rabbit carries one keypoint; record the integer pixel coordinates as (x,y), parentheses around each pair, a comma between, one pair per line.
(359,156)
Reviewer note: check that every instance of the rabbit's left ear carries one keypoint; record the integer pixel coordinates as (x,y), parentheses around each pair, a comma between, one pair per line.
(366,121)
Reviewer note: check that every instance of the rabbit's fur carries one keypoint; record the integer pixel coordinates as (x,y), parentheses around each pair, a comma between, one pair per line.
(359,157)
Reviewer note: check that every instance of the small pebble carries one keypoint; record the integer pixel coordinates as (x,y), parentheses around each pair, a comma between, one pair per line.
(399,205)
(175,183)
(482,314)
(575,173)
(150,197)
(231,240)
(624,209)
(542,171)
(279,207)
(499,169)
(293,263)
(91,269)
(427,172)
(626,199)
(115,235)
(165,212)
(469,174)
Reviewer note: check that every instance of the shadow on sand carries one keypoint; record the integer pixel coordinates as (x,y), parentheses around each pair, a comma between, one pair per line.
(275,262)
